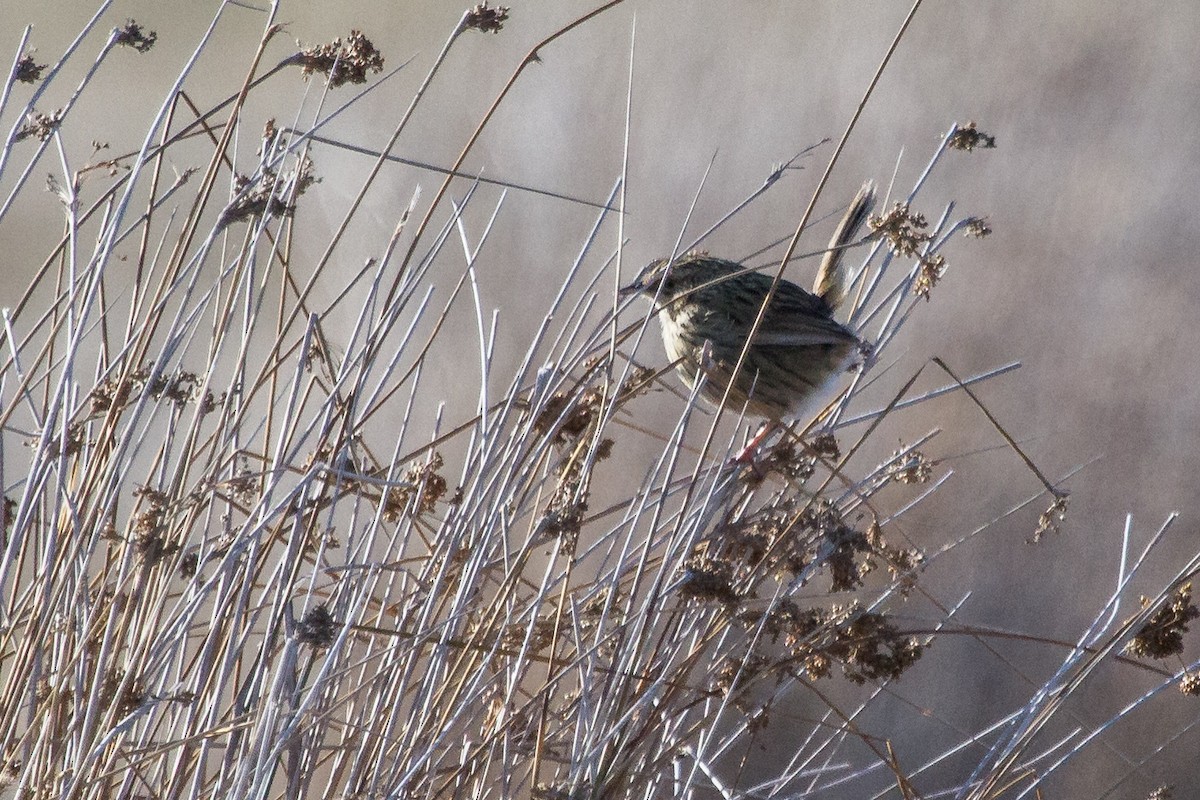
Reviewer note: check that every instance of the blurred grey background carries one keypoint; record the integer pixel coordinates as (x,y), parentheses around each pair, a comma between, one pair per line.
(1089,278)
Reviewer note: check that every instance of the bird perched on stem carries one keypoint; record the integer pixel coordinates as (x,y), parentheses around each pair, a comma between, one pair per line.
(707,307)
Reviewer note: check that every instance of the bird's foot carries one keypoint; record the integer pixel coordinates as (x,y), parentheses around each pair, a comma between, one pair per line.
(748,457)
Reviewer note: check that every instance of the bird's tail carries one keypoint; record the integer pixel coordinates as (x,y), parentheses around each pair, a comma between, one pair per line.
(830,285)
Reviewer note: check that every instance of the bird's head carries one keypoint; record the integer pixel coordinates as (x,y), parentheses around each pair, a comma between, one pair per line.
(648,282)
(668,279)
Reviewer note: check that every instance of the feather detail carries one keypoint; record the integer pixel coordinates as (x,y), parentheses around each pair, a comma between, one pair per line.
(830,284)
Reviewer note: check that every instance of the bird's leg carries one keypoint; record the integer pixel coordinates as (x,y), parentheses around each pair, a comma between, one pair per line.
(746,456)
(751,449)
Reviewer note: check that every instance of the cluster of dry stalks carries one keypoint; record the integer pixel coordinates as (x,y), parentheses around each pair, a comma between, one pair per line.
(237,562)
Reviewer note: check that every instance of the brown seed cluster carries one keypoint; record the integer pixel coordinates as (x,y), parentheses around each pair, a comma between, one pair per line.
(179,387)
(577,415)
(794,460)
(911,467)
(840,547)
(133,35)
(317,629)
(255,196)
(27,70)
(564,514)
(791,543)
(570,420)
(243,486)
(1162,635)
(486,19)
(65,443)
(977,227)
(708,579)
(341,62)
(189,565)
(903,229)
(1051,519)
(906,235)
(735,674)
(825,445)
(423,486)
(932,269)
(126,701)
(572,415)
(865,644)
(270,138)
(902,563)
(970,137)
(9,509)
(787,459)
(150,534)
(513,637)
(39,126)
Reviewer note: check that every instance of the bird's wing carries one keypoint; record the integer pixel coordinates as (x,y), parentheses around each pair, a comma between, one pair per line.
(802,333)
(797,319)
(804,338)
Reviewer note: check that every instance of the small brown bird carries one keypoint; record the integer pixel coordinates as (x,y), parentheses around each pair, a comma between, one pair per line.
(707,307)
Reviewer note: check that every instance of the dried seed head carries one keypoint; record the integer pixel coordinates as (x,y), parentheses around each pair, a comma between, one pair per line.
(126,701)
(708,579)
(422,487)
(486,19)
(39,126)
(318,628)
(1051,519)
(901,228)
(866,644)
(932,270)
(341,62)
(269,193)
(735,674)
(1162,635)
(912,467)
(969,138)
(132,35)
(977,227)
(27,70)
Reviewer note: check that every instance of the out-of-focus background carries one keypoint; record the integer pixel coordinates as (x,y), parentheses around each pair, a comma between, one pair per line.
(1088,280)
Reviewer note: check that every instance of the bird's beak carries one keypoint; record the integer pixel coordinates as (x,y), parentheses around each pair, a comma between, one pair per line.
(629,291)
